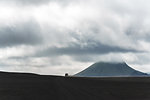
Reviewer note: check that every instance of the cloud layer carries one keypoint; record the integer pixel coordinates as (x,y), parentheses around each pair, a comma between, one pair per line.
(51,36)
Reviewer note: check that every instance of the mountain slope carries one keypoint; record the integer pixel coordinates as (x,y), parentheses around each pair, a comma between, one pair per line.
(109,69)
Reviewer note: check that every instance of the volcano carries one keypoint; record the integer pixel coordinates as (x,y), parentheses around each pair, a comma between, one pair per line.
(109,69)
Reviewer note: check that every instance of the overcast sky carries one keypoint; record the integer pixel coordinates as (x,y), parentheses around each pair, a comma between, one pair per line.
(59,36)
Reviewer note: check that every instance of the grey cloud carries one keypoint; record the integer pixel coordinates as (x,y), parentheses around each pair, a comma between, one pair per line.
(138,32)
(76,49)
(34,2)
(86,58)
(18,57)
(27,2)
(141,59)
(55,61)
(21,34)
(109,57)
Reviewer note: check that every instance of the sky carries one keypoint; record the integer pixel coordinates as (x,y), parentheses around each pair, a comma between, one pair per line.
(66,36)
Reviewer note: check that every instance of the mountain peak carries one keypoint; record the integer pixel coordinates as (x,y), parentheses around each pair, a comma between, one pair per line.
(109,69)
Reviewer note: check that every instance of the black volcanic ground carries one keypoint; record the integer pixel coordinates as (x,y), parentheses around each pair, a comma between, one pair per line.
(35,87)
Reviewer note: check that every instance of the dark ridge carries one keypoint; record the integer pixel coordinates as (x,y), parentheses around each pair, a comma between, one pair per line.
(18,73)
(109,69)
(2,73)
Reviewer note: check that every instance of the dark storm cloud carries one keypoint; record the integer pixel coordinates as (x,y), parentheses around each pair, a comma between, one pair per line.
(76,49)
(20,34)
